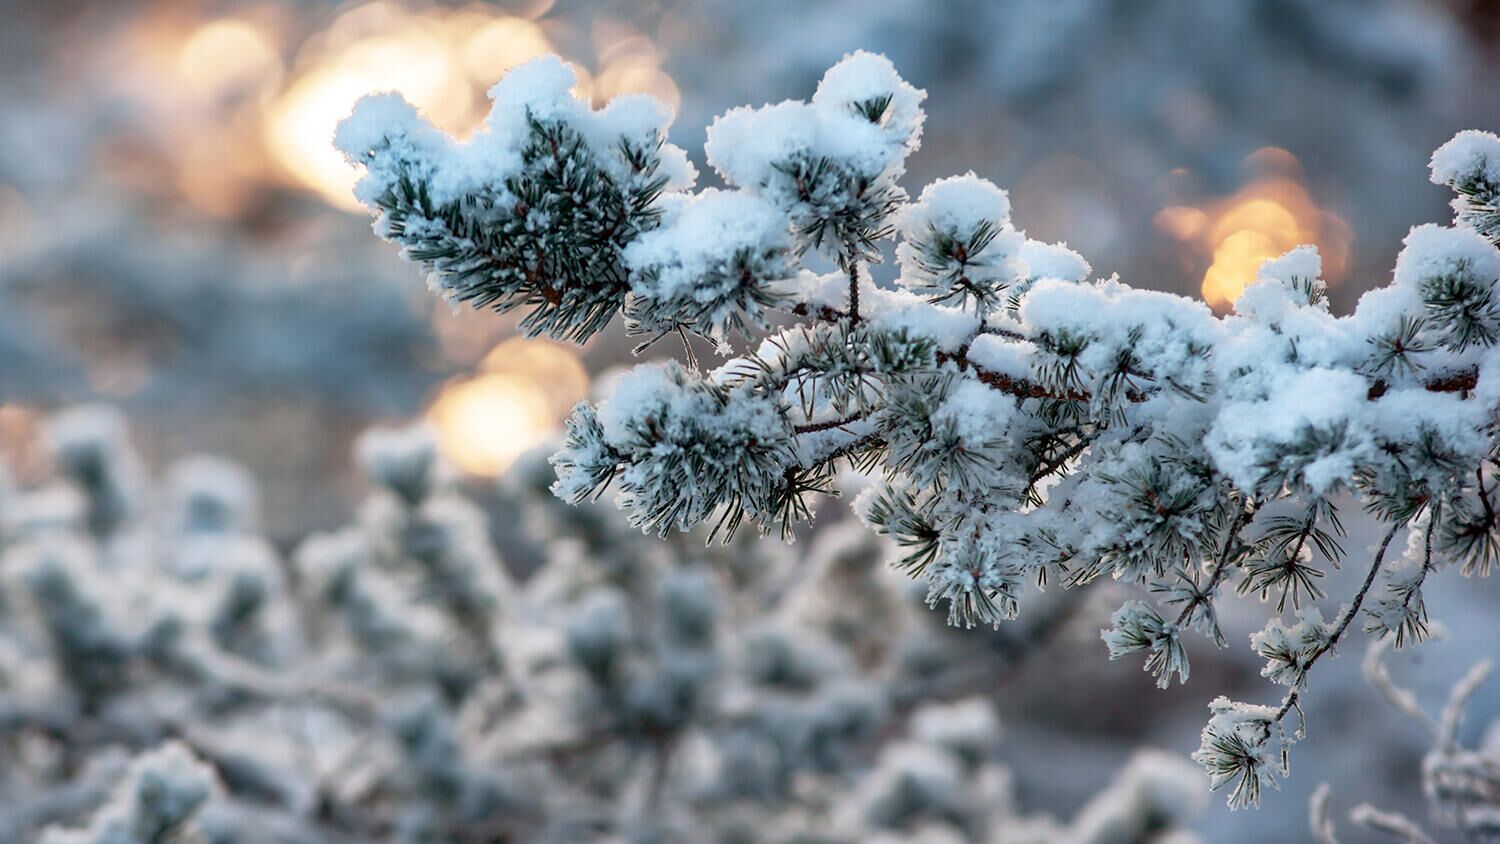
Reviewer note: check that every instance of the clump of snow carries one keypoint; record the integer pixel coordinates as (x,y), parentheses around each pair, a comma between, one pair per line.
(955,204)
(404,460)
(1170,337)
(386,136)
(1246,746)
(1003,356)
(950,328)
(968,727)
(714,257)
(862,77)
(1471,155)
(1302,262)
(1153,789)
(1284,286)
(212,494)
(823,159)
(1289,651)
(977,413)
(1053,260)
(1324,407)
(635,393)
(540,89)
(1433,251)
(744,144)
(958,232)
(159,796)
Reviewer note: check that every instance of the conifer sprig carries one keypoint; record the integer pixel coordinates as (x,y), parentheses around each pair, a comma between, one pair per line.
(1021,421)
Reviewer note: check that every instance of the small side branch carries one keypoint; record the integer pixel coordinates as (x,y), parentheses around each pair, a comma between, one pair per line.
(1221,565)
(1344,620)
(1461,381)
(853,290)
(815,427)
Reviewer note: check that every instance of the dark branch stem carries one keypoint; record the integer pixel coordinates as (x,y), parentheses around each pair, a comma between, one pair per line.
(1307,529)
(1024,388)
(814,427)
(1484,498)
(853,446)
(1461,381)
(1221,565)
(1344,621)
(1432,526)
(853,290)
(822,313)
(1061,460)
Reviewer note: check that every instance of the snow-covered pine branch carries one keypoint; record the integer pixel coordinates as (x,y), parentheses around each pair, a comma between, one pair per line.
(1027,423)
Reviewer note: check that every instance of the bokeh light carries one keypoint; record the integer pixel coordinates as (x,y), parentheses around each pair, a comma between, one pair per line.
(396,51)
(523,390)
(442,61)
(1271,214)
(226,57)
(499,45)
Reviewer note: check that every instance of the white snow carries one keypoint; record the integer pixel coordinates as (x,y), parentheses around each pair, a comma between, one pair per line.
(1471,154)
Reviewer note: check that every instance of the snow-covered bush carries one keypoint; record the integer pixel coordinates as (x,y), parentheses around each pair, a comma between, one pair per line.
(1461,785)
(157,801)
(176,678)
(1026,423)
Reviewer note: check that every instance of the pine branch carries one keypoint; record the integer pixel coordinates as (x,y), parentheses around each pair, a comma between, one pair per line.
(1241,521)
(1290,701)
(815,427)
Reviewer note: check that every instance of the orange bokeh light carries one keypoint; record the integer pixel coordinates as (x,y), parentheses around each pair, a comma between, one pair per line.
(522,392)
(1268,216)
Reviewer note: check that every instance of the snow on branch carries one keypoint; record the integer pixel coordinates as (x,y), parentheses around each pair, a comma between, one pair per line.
(1025,422)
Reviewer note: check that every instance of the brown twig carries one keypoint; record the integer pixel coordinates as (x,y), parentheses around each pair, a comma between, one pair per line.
(1344,621)
(815,427)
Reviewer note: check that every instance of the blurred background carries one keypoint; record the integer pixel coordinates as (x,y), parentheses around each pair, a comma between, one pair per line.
(177,236)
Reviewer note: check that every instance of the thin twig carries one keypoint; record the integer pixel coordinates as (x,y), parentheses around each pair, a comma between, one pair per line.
(853,290)
(1061,460)
(815,427)
(1344,620)
(1242,520)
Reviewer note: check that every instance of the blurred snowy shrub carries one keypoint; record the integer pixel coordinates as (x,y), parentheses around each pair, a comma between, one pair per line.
(394,681)
(1461,785)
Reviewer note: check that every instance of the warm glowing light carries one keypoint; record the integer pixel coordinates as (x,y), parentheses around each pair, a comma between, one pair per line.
(442,61)
(500,45)
(438,60)
(1262,215)
(552,366)
(485,423)
(1236,259)
(631,65)
(19,431)
(1181,222)
(523,391)
(228,57)
(1265,218)
(302,121)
